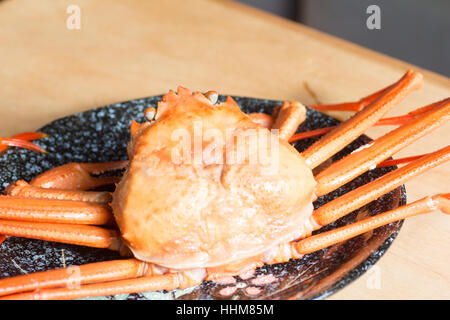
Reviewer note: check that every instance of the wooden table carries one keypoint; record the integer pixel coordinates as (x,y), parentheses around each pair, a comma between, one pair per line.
(130,49)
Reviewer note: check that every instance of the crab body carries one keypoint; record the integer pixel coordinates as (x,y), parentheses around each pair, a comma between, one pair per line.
(217,209)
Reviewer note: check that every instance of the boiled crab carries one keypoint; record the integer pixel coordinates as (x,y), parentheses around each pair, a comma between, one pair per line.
(188,211)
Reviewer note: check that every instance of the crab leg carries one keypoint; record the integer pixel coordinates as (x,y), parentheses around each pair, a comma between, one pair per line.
(392,121)
(349,130)
(331,237)
(95,214)
(289,117)
(409,116)
(291,114)
(18,140)
(24,190)
(83,235)
(13,142)
(56,211)
(168,281)
(348,168)
(286,119)
(352,106)
(361,196)
(268,121)
(107,271)
(142,284)
(69,176)
(394,162)
(296,249)
(77,176)
(74,276)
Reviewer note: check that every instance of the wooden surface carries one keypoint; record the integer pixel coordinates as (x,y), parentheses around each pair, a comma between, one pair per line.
(131,49)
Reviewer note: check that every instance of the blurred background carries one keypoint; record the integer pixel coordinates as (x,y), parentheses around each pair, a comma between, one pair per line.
(415,31)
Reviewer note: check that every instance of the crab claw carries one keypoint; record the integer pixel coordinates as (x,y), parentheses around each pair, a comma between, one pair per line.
(78,176)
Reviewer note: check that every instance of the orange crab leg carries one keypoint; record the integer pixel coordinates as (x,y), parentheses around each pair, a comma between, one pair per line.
(56,211)
(74,276)
(263,119)
(394,162)
(289,117)
(310,134)
(107,271)
(349,130)
(94,279)
(352,106)
(12,142)
(2,238)
(382,122)
(93,273)
(77,176)
(409,116)
(168,282)
(24,190)
(30,136)
(27,136)
(83,235)
(267,121)
(361,196)
(286,119)
(331,237)
(351,166)
(296,249)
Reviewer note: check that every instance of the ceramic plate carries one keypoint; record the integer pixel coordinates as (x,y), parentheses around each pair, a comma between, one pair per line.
(102,135)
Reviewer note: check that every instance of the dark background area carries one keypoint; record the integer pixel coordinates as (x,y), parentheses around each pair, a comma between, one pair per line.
(416,31)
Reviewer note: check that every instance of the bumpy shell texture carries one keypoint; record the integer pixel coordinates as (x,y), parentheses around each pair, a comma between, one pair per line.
(207,186)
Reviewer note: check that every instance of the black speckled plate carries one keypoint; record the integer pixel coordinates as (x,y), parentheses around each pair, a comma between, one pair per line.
(102,135)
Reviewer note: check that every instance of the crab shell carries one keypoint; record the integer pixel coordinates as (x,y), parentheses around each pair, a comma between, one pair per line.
(180,206)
